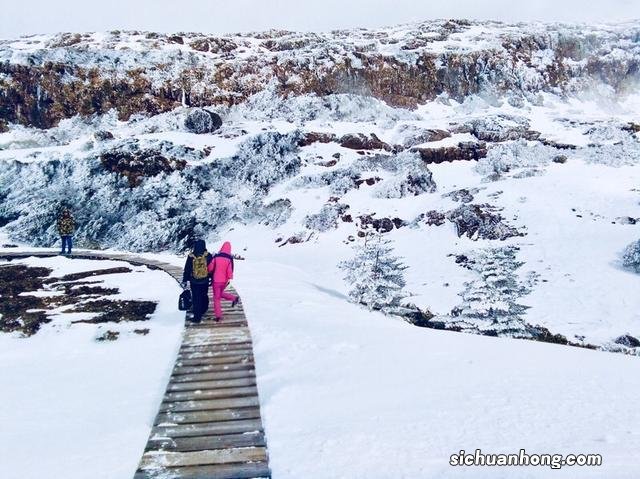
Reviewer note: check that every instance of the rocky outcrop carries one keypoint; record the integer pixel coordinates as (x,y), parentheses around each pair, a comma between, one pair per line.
(628,341)
(367,181)
(433,218)
(358,141)
(481,221)
(309,138)
(557,145)
(46,79)
(632,127)
(502,128)
(199,120)
(103,135)
(425,136)
(135,162)
(462,195)
(465,151)
(382,225)
(43,95)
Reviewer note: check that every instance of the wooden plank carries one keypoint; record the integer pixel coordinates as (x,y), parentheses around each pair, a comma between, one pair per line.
(156,459)
(206,442)
(208,428)
(216,336)
(237,358)
(218,361)
(215,384)
(218,346)
(221,328)
(200,394)
(217,343)
(249,470)
(207,376)
(210,368)
(218,332)
(202,362)
(222,347)
(215,352)
(227,311)
(208,416)
(214,342)
(224,323)
(210,404)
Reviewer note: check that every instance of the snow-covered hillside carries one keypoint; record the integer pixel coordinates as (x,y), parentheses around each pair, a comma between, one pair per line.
(556,179)
(49,78)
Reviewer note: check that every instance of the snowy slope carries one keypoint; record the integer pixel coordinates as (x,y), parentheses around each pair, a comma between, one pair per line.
(570,215)
(350,394)
(83,408)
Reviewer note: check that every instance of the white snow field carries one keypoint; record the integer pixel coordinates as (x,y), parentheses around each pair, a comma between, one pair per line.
(351,394)
(75,408)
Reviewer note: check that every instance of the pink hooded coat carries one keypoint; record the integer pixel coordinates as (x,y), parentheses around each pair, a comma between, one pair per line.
(221,267)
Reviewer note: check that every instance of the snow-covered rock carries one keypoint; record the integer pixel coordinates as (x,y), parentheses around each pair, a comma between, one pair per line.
(48,78)
(199,120)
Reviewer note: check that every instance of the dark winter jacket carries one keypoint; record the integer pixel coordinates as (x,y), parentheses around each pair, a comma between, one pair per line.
(199,248)
(66,225)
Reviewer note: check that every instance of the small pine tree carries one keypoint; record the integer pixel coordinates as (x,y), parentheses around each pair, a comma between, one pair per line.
(376,276)
(489,302)
(631,256)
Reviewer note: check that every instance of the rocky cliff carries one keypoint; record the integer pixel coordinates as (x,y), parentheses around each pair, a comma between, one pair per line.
(44,79)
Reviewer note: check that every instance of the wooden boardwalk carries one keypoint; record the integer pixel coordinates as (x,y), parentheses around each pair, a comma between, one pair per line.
(208,425)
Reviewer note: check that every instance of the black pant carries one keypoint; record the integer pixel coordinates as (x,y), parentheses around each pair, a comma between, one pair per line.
(200,298)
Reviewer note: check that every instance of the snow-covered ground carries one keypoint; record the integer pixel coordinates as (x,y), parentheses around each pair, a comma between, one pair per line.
(351,394)
(75,408)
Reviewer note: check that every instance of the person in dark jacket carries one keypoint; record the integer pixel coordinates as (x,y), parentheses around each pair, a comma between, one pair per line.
(66,227)
(197,274)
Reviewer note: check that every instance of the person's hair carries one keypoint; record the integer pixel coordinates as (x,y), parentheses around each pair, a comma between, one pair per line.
(199,247)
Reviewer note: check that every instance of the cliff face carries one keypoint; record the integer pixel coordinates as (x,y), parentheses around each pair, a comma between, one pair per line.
(44,79)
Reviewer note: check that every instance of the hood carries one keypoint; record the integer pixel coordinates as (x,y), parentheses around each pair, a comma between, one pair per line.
(199,247)
(226,248)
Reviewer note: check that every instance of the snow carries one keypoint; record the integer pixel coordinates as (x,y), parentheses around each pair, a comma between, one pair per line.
(348,393)
(72,406)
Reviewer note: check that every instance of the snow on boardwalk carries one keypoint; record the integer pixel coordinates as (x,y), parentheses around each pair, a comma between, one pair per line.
(209,423)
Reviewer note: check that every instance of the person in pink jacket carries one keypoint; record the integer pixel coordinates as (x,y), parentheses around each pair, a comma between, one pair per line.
(221,269)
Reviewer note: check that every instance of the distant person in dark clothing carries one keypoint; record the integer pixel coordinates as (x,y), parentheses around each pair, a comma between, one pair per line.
(197,274)
(66,227)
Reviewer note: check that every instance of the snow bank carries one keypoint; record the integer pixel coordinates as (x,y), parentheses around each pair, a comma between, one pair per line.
(348,393)
(79,407)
